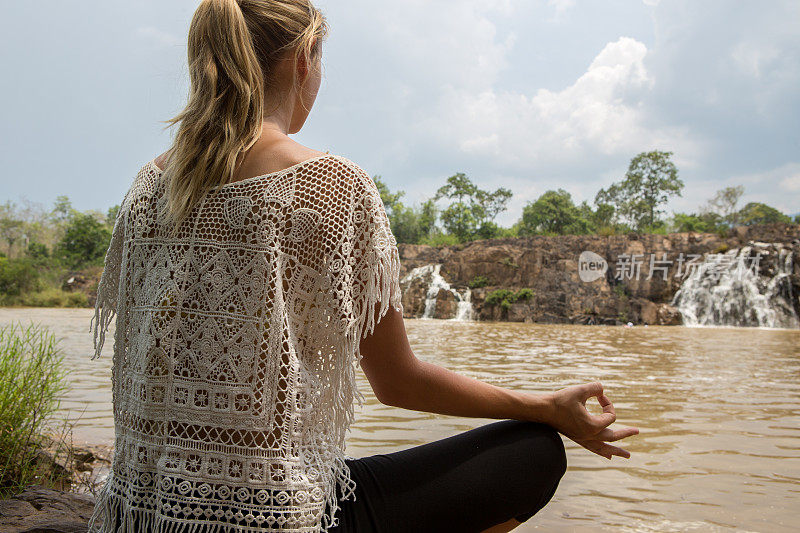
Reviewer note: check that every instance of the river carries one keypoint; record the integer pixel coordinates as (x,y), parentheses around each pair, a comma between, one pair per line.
(718,411)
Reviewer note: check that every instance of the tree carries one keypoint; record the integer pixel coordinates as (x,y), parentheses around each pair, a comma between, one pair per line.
(553,212)
(724,203)
(756,213)
(707,222)
(427,217)
(600,219)
(472,210)
(62,210)
(37,252)
(111,215)
(409,224)
(390,199)
(11,227)
(85,240)
(17,276)
(650,181)
(492,204)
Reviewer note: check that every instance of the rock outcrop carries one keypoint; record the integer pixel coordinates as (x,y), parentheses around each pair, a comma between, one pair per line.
(643,274)
(38,509)
(74,473)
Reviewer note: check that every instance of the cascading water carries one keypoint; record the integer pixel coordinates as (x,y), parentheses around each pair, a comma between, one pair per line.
(436,283)
(731,290)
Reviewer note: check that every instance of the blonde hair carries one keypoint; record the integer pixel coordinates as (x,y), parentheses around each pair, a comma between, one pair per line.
(234,46)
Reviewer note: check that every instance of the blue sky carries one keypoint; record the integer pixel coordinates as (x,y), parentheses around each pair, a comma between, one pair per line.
(528,95)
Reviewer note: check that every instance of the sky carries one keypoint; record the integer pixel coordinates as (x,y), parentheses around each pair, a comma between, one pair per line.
(530,95)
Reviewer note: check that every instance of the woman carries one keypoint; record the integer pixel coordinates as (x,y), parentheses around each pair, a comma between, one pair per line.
(248,274)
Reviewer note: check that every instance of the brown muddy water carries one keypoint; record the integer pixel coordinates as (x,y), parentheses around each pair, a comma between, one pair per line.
(718,411)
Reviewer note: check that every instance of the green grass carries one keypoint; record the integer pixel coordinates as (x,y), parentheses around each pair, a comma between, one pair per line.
(46,297)
(53,297)
(478,282)
(32,378)
(506,297)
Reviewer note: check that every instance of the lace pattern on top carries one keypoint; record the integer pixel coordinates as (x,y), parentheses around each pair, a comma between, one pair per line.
(236,346)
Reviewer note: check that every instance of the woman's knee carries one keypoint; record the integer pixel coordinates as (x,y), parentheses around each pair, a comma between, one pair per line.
(540,461)
(558,452)
(549,455)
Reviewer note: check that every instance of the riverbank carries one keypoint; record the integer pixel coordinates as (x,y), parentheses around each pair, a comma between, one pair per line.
(635,277)
(538,279)
(27,283)
(73,473)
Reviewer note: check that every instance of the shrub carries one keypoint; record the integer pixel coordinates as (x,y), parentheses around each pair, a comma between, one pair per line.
(440,239)
(17,276)
(37,251)
(498,296)
(621,291)
(478,282)
(524,294)
(605,231)
(85,241)
(722,248)
(33,378)
(507,261)
(53,297)
(506,297)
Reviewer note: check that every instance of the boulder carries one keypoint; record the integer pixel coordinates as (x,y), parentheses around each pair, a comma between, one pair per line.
(520,312)
(446,305)
(668,316)
(38,509)
(644,312)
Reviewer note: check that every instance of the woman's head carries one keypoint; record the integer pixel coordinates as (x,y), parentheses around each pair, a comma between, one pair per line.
(247,59)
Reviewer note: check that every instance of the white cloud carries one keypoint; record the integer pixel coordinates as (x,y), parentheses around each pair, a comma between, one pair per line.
(447,42)
(752,57)
(600,113)
(561,5)
(791,184)
(778,187)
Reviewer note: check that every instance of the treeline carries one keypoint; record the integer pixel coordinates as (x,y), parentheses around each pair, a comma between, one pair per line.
(42,248)
(459,211)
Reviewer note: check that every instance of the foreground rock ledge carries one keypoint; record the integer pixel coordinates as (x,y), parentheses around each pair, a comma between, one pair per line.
(38,509)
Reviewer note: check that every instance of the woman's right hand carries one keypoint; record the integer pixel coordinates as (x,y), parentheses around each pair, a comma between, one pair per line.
(570,417)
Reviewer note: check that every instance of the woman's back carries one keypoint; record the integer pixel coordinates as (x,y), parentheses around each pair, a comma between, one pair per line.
(236,343)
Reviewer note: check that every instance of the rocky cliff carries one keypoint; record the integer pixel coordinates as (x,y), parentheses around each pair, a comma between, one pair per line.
(641,276)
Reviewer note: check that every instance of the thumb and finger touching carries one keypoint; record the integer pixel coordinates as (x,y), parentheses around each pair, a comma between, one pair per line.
(597,442)
(609,415)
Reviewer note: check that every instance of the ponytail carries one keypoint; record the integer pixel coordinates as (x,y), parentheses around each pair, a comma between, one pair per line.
(231,51)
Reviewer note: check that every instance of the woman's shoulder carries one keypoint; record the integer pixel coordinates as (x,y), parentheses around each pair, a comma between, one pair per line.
(330,170)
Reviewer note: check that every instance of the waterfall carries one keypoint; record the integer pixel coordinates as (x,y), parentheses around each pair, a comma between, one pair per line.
(731,289)
(435,284)
(464,311)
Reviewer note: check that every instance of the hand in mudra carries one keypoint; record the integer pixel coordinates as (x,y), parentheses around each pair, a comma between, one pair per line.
(571,418)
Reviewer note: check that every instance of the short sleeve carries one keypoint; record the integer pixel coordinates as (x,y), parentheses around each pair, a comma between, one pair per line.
(374,257)
(108,288)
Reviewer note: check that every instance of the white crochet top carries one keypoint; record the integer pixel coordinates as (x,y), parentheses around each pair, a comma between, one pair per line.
(236,347)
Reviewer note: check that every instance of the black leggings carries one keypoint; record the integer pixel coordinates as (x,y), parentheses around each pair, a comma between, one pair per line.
(461,484)
(464,483)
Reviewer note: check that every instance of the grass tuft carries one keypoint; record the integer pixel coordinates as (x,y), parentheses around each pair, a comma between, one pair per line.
(32,379)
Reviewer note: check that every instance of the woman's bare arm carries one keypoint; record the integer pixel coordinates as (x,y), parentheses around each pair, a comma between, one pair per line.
(399,379)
